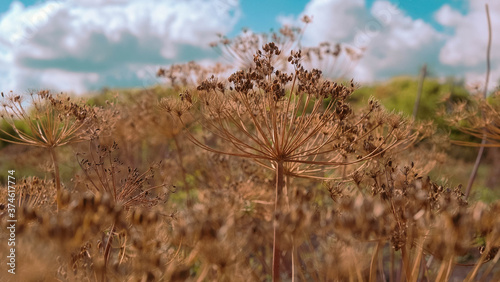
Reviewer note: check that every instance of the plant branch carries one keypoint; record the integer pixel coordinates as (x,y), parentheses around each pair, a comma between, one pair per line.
(483,141)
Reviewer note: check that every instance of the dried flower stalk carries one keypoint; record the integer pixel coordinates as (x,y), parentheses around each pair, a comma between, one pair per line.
(300,129)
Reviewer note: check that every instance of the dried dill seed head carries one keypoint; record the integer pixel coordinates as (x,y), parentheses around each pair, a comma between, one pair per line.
(478,118)
(306,19)
(142,217)
(241,49)
(398,238)
(335,189)
(382,199)
(52,121)
(259,94)
(125,186)
(35,192)
(174,106)
(190,74)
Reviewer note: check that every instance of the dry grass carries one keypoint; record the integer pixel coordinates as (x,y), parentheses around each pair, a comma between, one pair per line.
(268,175)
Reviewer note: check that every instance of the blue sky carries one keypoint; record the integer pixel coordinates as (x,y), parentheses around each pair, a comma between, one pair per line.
(82,45)
(418,9)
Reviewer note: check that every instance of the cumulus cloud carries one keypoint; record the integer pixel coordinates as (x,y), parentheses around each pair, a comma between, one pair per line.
(334,20)
(80,44)
(467,45)
(395,43)
(465,48)
(447,16)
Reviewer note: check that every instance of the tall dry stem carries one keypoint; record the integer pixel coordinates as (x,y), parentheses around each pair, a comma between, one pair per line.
(296,124)
(47,121)
(483,141)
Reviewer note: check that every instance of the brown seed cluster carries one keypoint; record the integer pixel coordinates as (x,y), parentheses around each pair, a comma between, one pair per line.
(271,172)
(480,119)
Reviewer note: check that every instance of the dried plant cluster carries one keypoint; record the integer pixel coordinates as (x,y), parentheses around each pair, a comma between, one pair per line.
(191,73)
(334,60)
(241,49)
(479,119)
(53,122)
(266,175)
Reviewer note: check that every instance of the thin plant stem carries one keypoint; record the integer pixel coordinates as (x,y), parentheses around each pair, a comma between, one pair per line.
(293,260)
(493,263)
(183,170)
(423,72)
(405,262)
(418,260)
(483,142)
(391,268)
(276,247)
(373,264)
(107,250)
(381,264)
(57,177)
(472,275)
(399,272)
(441,271)
(294,250)
(449,269)
(473,174)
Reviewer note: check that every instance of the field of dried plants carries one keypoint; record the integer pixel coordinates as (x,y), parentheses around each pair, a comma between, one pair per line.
(273,172)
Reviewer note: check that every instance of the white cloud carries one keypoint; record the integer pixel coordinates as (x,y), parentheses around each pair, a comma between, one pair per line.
(286,20)
(465,48)
(333,20)
(395,43)
(476,79)
(400,45)
(73,81)
(447,16)
(86,44)
(20,23)
(76,44)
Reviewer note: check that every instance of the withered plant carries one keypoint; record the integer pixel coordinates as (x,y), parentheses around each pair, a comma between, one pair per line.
(190,74)
(394,204)
(152,132)
(484,138)
(48,121)
(480,119)
(241,49)
(333,59)
(293,124)
(126,187)
(35,193)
